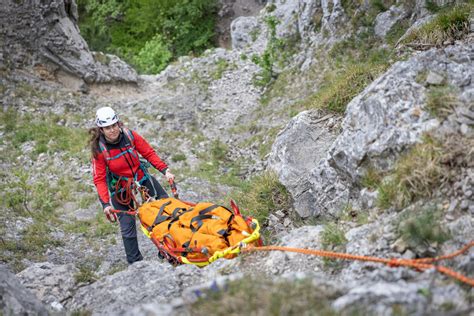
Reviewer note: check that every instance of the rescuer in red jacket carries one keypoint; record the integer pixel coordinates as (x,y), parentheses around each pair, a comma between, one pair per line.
(115,154)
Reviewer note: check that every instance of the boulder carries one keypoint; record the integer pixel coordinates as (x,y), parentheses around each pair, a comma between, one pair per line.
(16,299)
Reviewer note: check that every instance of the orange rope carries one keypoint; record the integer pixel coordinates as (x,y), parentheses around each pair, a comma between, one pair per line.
(421,264)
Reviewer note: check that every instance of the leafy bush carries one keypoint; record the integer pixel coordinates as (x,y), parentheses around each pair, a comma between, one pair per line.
(148,33)
(154,56)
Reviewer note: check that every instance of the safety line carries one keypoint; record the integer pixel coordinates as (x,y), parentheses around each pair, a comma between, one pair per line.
(420,264)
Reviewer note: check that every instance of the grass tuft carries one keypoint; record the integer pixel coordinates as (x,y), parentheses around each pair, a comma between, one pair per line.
(416,174)
(422,228)
(449,25)
(262,195)
(441,101)
(250,296)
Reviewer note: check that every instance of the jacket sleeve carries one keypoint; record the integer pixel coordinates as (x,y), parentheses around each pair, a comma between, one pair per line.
(99,173)
(144,149)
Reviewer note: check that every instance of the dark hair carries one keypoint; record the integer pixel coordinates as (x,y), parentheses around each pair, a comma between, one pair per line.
(94,133)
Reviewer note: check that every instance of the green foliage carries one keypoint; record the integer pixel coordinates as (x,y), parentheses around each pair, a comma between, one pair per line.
(222,65)
(251,296)
(154,56)
(441,101)
(276,53)
(348,213)
(262,195)
(35,240)
(148,33)
(449,25)
(397,31)
(353,63)
(422,228)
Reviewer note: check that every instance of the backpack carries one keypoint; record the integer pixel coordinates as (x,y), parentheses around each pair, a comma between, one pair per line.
(195,233)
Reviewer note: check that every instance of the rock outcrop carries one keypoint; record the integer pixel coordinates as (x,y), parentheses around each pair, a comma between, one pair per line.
(15,299)
(388,117)
(45,35)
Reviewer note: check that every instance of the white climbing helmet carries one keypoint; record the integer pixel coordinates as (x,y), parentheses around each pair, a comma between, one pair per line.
(106,116)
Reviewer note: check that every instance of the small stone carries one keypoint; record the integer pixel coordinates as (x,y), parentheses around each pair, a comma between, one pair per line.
(409,254)
(452,205)
(468,193)
(57,306)
(464,204)
(286,222)
(449,217)
(272,219)
(399,246)
(434,79)
(280,213)
(464,129)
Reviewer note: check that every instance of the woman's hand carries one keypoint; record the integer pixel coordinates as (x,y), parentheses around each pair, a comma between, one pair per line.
(169,176)
(112,217)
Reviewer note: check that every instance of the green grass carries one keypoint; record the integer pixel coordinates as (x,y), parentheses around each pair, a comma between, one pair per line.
(449,25)
(340,88)
(416,174)
(333,239)
(257,296)
(350,214)
(43,130)
(371,179)
(422,228)
(332,236)
(35,240)
(262,195)
(441,101)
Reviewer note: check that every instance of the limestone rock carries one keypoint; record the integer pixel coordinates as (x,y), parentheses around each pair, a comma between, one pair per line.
(16,299)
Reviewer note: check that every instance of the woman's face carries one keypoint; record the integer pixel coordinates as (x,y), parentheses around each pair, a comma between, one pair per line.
(111,132)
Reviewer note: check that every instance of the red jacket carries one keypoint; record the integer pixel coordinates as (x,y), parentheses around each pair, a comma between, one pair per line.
(123,163)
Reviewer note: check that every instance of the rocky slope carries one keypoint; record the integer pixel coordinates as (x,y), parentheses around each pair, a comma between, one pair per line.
(198,106)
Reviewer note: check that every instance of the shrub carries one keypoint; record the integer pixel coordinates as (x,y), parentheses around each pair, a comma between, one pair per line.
(154,56)
(148,33)
(178,157)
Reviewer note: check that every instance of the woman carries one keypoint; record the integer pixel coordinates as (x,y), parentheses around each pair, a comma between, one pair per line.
(115,159)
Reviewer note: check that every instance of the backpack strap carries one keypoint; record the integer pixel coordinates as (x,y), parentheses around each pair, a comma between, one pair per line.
(103,147)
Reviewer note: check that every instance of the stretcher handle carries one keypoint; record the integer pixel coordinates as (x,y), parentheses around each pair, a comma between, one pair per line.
(174,189)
